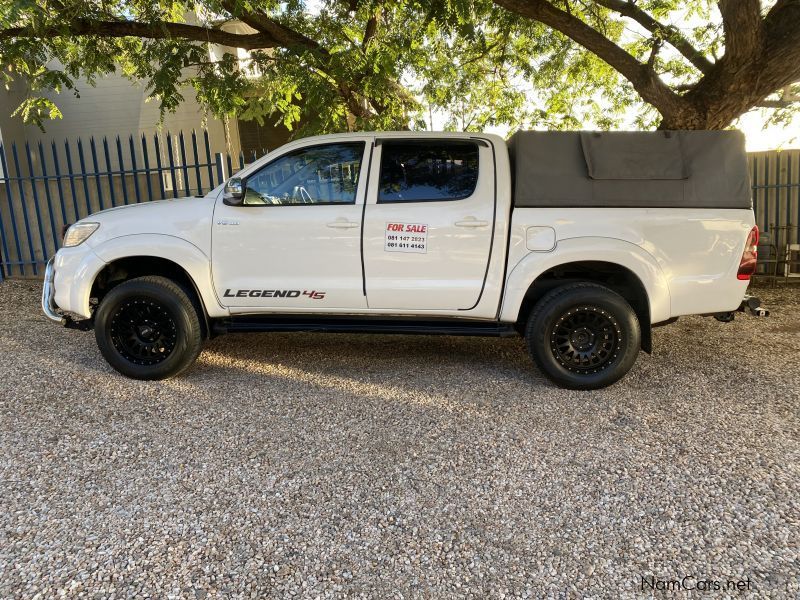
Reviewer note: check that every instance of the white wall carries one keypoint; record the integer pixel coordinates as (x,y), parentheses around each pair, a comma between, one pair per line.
(114,106)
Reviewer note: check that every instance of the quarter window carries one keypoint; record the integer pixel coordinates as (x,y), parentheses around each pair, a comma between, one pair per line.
(326,174)
(422,171)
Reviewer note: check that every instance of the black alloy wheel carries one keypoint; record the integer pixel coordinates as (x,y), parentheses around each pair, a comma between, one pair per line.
(149,328)
(585,339)
(143,331)
(583,335)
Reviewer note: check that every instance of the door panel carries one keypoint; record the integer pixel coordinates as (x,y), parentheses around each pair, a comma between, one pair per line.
(296,243)
(428,225)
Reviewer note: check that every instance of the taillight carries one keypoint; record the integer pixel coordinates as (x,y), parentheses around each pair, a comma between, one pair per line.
(747,266)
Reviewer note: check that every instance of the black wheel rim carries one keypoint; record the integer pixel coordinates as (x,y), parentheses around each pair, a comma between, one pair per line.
(585,339)
(143,331)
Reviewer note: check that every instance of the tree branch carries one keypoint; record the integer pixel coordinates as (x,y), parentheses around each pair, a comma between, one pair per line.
(777,103)
(289,38)
(164,30)
(285,36)
(627,8)
(644,79)
(743,27)
(372,25)
(657,43)
(782,33)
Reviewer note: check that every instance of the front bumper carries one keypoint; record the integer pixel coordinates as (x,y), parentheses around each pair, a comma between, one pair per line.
(49,294)
(49,306)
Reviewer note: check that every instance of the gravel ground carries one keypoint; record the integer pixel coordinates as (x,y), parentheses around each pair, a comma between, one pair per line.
(383,466)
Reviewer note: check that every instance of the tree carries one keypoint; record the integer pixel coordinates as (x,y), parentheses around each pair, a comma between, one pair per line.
(380,64)
(336,68)
(699,75)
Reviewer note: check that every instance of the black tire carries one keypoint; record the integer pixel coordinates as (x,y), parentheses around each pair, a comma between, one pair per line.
(148,328)
(583,336)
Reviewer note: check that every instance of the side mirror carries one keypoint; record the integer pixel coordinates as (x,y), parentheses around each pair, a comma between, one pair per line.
(234,192)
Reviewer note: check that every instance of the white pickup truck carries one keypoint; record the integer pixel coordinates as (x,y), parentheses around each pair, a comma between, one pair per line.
(578,241)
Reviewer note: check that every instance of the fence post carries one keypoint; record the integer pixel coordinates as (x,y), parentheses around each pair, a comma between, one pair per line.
(135,169)
(48,199)
(86,196)
(59,187)
(220,160)
(211,185)
(96,167)
(160,170)
(197,177)
(187,190)
(110,172)
(24,204)
(147,169)
(7,178)
(172,166)
(122,173)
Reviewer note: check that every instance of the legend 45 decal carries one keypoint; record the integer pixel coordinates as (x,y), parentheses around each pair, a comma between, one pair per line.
(313,295)
(406,237)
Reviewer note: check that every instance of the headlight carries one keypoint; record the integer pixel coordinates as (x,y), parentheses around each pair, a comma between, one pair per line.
(78,233)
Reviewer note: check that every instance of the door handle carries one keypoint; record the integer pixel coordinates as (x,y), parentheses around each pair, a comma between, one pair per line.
(343,224)
(470,222)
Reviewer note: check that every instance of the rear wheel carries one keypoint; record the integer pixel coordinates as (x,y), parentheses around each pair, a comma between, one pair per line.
(583,336)
(148,328)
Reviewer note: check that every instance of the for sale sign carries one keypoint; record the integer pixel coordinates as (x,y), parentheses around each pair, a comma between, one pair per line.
(406,237)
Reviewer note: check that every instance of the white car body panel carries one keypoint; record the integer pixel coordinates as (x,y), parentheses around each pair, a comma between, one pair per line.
(692,255)
(185,218)
(195,262)
(177,230)
(686,259)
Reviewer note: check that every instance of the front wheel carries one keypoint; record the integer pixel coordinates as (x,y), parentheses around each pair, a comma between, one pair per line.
(148,328)
(583,336)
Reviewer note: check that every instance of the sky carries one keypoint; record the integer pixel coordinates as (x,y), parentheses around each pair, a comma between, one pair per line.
(782,137)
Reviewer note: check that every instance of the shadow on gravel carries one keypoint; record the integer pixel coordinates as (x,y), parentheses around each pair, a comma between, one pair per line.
(367,356)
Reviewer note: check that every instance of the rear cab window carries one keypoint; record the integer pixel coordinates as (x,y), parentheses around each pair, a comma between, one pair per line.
(427,170)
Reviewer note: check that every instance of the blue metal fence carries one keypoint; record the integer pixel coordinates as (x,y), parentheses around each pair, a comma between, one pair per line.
(775,177)
(46,187)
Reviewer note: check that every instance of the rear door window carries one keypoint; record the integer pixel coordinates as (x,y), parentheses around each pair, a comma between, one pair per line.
(427,171)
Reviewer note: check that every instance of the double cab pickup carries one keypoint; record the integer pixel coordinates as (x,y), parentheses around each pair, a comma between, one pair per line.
(578,241)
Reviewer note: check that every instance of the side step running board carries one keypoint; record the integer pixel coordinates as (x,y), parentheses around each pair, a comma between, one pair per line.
(352,325)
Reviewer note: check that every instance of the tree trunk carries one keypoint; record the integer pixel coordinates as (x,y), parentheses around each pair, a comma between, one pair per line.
(722,96)
(759,60)
(686,118)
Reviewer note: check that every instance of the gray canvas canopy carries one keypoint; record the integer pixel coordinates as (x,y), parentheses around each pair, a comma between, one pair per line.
(687,169)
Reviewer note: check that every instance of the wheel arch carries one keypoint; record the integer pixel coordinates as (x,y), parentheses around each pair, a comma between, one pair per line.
(613,276)
(130,267)
(146,254)
(620,266)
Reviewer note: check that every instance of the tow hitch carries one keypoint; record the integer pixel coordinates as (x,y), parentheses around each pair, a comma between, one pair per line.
(750,305)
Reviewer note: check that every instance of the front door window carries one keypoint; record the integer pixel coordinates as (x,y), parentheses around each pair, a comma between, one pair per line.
(318,175)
